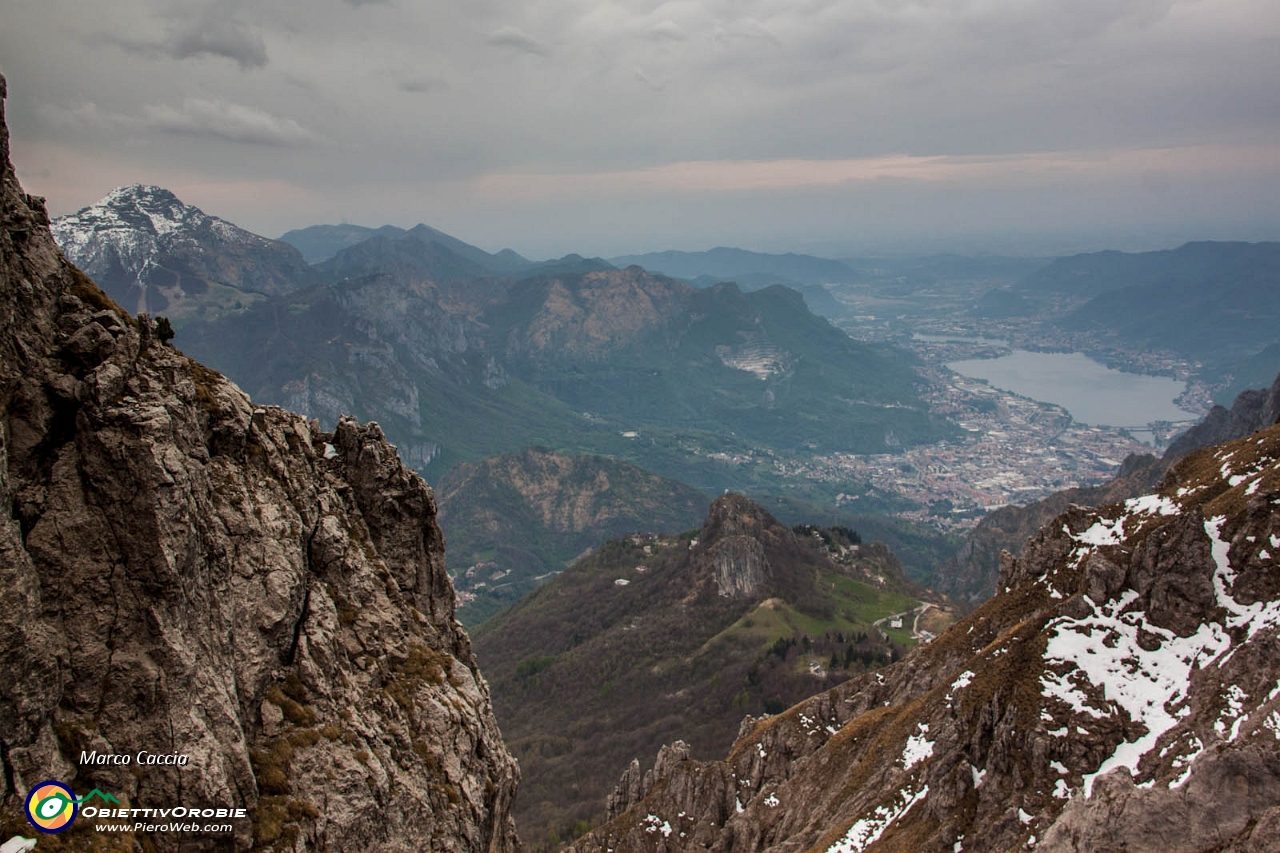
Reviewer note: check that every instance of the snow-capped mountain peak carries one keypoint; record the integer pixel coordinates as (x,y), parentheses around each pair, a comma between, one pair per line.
(138,210)
(164,210)
(152,252)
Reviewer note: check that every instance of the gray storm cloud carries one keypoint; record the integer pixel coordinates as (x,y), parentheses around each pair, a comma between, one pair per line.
(226,37)
(667,30)
(409,111)
(423,84)
(213,33)
(232,122)
(516,39)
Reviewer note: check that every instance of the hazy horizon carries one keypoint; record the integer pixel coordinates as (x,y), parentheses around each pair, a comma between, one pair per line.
(611,128)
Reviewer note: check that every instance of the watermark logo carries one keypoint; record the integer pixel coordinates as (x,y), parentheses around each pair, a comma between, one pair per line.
(52,806)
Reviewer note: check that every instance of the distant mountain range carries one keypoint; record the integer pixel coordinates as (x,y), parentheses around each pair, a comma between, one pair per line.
(1253,371)
(748,269)
(1217,303)
(422,250)
(400,325)
(319,243)
(1190,266)
(616,361)
(345,250)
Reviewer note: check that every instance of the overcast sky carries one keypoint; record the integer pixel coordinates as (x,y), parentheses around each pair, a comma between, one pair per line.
(551,126)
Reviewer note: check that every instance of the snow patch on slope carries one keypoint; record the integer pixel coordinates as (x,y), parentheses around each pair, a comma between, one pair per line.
(1101,653)
(866,831)
(918,748)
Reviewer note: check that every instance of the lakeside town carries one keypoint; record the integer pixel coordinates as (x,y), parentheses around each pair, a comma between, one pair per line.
(1016,451)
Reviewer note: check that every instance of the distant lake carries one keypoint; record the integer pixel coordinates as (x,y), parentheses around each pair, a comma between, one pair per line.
(1092,392)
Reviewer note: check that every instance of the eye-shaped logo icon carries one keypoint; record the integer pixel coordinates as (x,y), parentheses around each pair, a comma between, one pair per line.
(51,806)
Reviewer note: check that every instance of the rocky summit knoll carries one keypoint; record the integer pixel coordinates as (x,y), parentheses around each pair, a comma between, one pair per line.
(1120,692)
(517,519)
(185,574)
(660,636)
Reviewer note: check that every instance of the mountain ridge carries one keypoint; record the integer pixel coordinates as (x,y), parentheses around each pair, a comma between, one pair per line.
(726,264)
(319,243)
(575,361)
(1213,302)
(1117,693)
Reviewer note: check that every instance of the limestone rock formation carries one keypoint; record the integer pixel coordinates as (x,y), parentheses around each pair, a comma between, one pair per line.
(732,545)
(1120,692)
(182,572)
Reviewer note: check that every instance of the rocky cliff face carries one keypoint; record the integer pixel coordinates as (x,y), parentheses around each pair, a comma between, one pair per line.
(1119,693)
(182,572)
(733,545)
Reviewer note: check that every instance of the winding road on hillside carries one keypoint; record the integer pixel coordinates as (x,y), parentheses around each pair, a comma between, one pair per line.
(915,622)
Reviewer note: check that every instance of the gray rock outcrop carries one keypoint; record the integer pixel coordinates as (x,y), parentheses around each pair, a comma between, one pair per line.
(732,543)
(184,573)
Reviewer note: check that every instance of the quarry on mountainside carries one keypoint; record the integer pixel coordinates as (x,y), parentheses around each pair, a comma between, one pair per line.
(183,573)
(1120,692)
